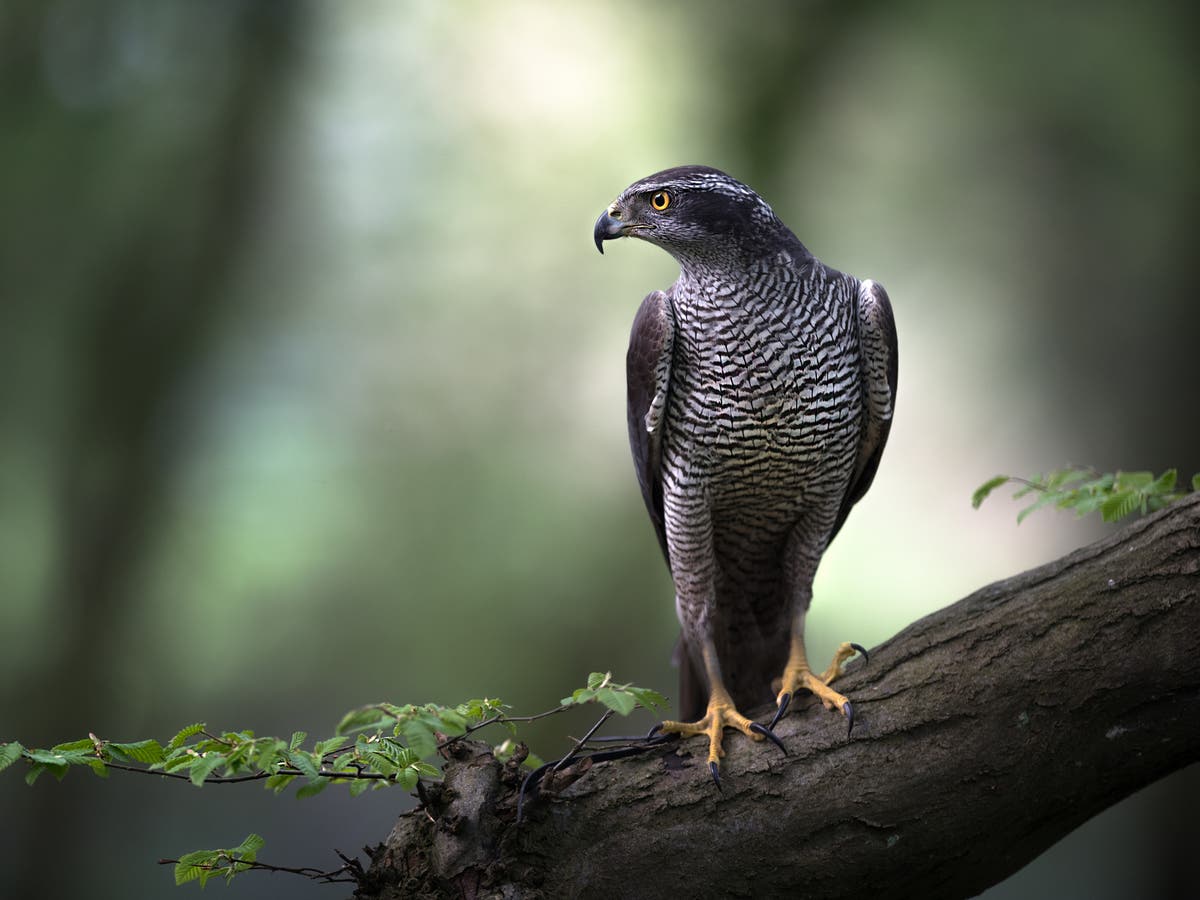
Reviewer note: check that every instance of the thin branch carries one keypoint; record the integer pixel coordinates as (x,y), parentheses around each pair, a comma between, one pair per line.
(310,872)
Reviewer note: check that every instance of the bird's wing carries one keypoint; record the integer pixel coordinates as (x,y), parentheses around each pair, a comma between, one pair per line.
(648,379)
(877,338)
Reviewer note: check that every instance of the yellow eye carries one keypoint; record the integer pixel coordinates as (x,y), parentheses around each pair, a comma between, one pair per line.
(661,200)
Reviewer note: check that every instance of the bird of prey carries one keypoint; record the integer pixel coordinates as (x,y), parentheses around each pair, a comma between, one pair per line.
(761,386)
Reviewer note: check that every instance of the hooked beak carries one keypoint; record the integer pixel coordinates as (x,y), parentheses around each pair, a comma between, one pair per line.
(612,224)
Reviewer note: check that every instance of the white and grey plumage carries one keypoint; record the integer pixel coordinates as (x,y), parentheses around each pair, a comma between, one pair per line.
(761,388)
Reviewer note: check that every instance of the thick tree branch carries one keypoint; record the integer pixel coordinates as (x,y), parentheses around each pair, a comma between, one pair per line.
(988,731)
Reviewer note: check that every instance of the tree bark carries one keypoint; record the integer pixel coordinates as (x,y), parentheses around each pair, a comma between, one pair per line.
(986,731)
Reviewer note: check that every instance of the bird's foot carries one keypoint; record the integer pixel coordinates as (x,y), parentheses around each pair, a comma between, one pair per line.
(844,652)
(798,675)
(720,715)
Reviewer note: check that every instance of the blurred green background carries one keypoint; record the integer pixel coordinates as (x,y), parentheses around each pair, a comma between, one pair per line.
(312,379)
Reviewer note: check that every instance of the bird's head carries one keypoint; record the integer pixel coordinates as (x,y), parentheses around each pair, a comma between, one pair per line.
(694,213)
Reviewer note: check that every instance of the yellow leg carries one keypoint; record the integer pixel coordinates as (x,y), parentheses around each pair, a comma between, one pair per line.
(797,675)
(721,714)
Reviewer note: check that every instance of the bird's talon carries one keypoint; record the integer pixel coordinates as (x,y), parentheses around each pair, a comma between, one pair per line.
(848,710)
(784,700)
(653,731)
(769,735)
(715,771)
(863,650)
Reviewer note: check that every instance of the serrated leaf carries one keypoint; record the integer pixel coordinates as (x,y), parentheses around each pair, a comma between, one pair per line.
(453,723)
(366,719)
(650,699)
(420,738)
(147,752)
(278,783)
(75,746)
(47,757)
(986,488)
(183,734)
(359,785)
(298,738)
(251,845)
(204,767)
(618,701)
(270,754)
(1044,500)
(1164,483)
(177,762)
(1119,505)
(1064,477)
(408,777)
(313,788)
(305,763)
(195,865)
(1134,480)
(9,754)
(330,745)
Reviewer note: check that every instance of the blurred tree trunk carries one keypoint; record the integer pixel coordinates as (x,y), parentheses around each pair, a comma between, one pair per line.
(140,320)
(988,731)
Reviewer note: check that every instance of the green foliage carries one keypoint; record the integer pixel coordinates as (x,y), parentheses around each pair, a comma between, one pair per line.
(1113,495)
(373,747)
(621,698)
(204,864)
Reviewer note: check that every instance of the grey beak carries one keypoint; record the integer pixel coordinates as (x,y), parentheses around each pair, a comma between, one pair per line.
(607,228)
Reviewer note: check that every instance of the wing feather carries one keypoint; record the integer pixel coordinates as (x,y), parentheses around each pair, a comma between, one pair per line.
(648,376)
(880,363)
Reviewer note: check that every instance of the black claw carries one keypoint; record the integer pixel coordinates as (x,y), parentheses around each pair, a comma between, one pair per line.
(769,735)
(715,771)
(863,650)
(653,731)
(783,705)
(849,711)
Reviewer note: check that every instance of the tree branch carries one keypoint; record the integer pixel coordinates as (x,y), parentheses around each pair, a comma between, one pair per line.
(988,731)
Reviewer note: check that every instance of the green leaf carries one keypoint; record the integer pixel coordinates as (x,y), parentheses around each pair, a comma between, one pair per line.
(313,788)
(650,699)
(1135,480)
(34,772)
(1119,505)
(330,745)
(141,751)
(250,846)
(9,754)
(204,767)
(75,746)
(365,719)
(195,865)
(596,679)
(1044,500)
(420,738)
(278,783)
(305,763)
(359,785)
(1196,482)
(183,734)
(1165,483)
(986,488)
(47,757)
(618,701)
(408,777)
(298,738)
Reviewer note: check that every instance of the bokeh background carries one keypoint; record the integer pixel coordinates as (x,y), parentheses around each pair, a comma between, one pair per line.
(312,380)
